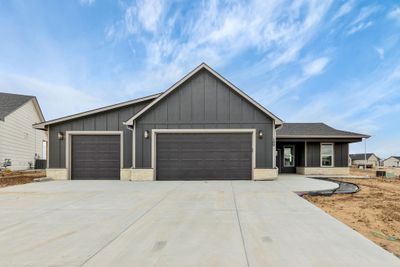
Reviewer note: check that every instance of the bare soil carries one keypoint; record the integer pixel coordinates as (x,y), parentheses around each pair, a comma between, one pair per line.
(19,177)
(374,211)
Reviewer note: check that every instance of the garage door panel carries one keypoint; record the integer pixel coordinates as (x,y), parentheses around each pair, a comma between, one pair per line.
(204,156)
(95,157)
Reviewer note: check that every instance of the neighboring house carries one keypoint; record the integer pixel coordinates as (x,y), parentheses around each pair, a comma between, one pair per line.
(203,127)
(358,160)
(19,142)
(393,161)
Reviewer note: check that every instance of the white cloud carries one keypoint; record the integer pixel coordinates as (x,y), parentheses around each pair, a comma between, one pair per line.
(55,100)
(87,2)
(394,13)
(381,52)
(364,14)
(363,105)
(344,10)
(144,14)
(316,66)
(362,21)
(359,27)
(216,32)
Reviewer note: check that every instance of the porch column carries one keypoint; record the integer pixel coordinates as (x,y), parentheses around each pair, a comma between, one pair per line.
(305,153)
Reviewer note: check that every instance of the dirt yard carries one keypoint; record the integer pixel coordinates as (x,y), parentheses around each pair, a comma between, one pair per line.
(19,177)
(374,211)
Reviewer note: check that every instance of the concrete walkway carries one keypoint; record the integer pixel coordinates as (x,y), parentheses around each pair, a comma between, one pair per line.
(221,223)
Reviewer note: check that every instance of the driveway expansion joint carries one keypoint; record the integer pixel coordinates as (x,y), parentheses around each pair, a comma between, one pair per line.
(240,225)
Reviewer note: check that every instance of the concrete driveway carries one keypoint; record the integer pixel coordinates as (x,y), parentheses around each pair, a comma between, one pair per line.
(221,223)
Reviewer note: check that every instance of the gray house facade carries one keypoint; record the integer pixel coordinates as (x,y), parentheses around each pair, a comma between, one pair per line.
(203,127)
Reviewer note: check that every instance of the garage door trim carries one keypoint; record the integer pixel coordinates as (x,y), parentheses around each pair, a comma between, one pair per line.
(68,139)
(154,133)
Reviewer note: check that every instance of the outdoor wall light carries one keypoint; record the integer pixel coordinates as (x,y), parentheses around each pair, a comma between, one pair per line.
(60,136)
(260,134)
(146,134)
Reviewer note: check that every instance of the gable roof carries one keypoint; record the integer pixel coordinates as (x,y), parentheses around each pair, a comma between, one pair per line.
(43,125)
(11,102)
(202,66)
(313,130)
(395,157)
(361,156)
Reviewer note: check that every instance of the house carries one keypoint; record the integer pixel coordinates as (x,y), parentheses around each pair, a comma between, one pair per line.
(358,160)
(393,161)
(202,127)
(20,144)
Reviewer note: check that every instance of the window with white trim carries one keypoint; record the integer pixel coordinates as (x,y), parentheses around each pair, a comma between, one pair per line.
(327,155)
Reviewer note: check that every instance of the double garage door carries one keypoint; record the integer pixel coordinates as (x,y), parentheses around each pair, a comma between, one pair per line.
(179,156)
(204,156)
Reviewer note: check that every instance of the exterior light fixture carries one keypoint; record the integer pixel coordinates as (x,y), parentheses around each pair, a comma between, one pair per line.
(60,136)
(260,134)
(146,134)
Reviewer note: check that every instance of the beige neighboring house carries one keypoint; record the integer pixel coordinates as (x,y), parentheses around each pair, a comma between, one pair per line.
(358,160)
(19,142)
(393,161)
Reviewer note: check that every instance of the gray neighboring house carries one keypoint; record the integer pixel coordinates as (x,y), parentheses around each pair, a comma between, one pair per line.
(20,144)
(393,161)
(201,128)
(358,160)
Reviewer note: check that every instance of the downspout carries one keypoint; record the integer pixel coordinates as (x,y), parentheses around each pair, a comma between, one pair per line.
(275,146)
(132,128)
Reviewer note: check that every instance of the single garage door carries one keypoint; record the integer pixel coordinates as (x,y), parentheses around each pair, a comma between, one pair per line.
(95,157)
(204,156)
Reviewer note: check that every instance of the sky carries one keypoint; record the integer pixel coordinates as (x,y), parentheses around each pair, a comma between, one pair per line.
(336,62)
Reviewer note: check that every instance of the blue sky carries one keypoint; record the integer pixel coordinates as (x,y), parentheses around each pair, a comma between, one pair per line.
(306,61)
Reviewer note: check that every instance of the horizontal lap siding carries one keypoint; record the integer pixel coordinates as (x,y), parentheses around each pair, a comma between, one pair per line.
(19,141)
(204,102)
(106,121)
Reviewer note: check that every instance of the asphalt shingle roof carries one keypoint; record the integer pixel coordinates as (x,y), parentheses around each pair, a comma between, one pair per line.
(317,129)
(361,156)
(10,102)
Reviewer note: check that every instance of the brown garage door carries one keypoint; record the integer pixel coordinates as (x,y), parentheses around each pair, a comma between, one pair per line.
(204,156)
(95,157)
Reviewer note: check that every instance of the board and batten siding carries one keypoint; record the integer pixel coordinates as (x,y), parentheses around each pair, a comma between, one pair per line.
(110,120)
(19,141)
(204,102)
(340,154)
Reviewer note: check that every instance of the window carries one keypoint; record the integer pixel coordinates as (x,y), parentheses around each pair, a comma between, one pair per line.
(288,156)
(327,155)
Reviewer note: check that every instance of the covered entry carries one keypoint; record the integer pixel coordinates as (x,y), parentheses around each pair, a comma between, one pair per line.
(203,156)
(95,157)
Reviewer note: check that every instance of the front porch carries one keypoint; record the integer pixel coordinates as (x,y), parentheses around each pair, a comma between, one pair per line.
(315,157)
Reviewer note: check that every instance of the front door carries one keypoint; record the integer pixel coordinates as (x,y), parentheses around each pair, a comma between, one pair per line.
(288,159)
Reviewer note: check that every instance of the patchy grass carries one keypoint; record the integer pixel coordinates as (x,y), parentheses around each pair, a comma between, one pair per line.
(19,177)
(374,211)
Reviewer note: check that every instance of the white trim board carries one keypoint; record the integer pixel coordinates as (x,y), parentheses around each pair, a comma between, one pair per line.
(154,133)
(68,143)
(277,120)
